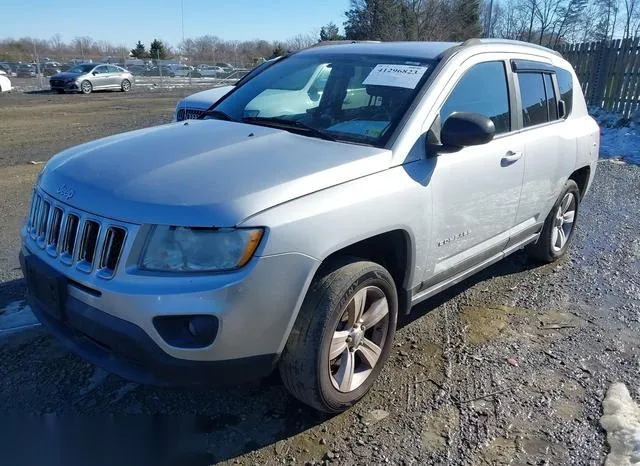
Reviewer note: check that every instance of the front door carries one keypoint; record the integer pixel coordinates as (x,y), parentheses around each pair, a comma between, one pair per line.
(100,78)
(476,190)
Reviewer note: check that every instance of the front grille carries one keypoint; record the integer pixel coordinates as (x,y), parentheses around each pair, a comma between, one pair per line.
(74,237)
(188,114)
(57,83)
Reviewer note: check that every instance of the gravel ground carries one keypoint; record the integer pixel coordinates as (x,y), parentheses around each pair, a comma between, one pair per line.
(509,367)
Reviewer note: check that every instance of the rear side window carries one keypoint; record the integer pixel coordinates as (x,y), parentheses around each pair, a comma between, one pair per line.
(565,83)
(534,99)
(483,90)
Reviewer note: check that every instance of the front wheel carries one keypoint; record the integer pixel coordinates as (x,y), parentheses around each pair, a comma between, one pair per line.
(86,87)
(126,85)
(559,226)
(342,336)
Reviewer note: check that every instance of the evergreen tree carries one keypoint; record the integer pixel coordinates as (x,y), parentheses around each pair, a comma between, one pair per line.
(330,32)
(158,50)
(140,51)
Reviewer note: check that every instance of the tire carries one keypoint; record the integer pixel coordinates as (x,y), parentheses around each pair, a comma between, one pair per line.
(60,91)
(86,87)
(559,226)
(327,314)
(125,86)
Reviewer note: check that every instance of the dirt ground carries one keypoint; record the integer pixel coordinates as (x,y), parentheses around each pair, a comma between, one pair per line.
(509,367)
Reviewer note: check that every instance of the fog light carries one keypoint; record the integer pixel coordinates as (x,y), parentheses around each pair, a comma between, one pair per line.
(190,331)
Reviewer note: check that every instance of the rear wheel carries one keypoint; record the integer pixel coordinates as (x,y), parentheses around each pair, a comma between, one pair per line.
(86,87)
(126,85)
(559,226)
(342,336)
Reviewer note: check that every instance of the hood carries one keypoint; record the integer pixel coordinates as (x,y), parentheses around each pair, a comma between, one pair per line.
(202,173)
(205,99)
(66,75)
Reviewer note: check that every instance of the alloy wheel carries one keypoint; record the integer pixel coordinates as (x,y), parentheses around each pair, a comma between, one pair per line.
(358,339)
(563,222)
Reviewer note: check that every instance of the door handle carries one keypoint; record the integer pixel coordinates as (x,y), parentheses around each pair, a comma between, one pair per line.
(511,157)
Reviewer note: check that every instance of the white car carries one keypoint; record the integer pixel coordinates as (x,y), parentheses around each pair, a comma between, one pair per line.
(191,107)
(210,71)
(181,70)
(5,82)
(299,91)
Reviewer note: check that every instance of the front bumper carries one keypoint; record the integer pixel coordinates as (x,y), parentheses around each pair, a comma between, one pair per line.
(112,326)
(65,86)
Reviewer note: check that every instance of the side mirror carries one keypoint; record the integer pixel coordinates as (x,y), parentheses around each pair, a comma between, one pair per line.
(94,73)
(464,129)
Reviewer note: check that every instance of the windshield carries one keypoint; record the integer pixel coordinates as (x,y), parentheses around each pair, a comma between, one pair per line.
(81,69)
(347,97)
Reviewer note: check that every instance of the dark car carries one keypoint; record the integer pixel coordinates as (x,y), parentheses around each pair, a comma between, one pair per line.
(26,71)
(50,70)
(7,69)
(136,70)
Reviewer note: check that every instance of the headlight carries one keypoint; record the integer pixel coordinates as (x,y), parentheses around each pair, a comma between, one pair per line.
(181,249)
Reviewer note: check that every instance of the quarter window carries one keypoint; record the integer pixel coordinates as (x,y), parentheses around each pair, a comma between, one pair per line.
(565,84)
(483,89)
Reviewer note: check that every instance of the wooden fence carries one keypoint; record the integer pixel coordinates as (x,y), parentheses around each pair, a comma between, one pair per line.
(609,72)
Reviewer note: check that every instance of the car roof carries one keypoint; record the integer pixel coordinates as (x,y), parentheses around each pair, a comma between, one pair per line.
(427,50)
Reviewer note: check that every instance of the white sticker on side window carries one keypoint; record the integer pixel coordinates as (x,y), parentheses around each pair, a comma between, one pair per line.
(407,76)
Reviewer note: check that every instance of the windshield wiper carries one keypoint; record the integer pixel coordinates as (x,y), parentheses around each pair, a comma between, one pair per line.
(217,115)
(285,123)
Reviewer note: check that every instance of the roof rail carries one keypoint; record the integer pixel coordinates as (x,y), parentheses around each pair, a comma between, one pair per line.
(476,41)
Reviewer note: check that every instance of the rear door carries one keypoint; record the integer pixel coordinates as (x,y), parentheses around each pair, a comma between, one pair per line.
(115,76)
(476,190)
(550,148)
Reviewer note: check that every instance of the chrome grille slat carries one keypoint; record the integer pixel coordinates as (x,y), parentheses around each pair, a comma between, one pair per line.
(89,243)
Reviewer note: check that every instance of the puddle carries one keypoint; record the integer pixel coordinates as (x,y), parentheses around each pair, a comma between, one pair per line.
(483,324)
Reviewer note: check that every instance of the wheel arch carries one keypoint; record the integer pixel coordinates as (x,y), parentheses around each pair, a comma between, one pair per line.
(582,176)
(393,249)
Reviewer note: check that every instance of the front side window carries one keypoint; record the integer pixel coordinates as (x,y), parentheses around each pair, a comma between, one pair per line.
(352,98)
(534,99)
(100,70)
(483,90)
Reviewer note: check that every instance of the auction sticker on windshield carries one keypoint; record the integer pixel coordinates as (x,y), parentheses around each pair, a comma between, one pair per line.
(407,76)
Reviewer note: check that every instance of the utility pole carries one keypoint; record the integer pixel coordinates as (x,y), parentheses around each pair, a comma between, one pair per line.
(488,26)
(182,16)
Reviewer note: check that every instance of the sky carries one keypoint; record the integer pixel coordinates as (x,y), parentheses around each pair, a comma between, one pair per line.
(124,22)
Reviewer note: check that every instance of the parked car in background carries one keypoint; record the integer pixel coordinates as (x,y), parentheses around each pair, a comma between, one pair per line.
(50,69)
(26,71)
(88,77)
(7,69)
(137,70)
(228,68)
(184,70)
(193,106)
(210,71)
(162,70)
(5,83)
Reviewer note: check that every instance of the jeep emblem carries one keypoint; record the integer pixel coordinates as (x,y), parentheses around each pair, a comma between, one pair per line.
(65,191)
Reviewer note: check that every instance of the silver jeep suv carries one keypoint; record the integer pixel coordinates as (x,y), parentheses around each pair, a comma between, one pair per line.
(218,249)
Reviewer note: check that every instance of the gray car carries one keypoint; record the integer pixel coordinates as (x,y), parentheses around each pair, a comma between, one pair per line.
(218,249)
(89,77)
